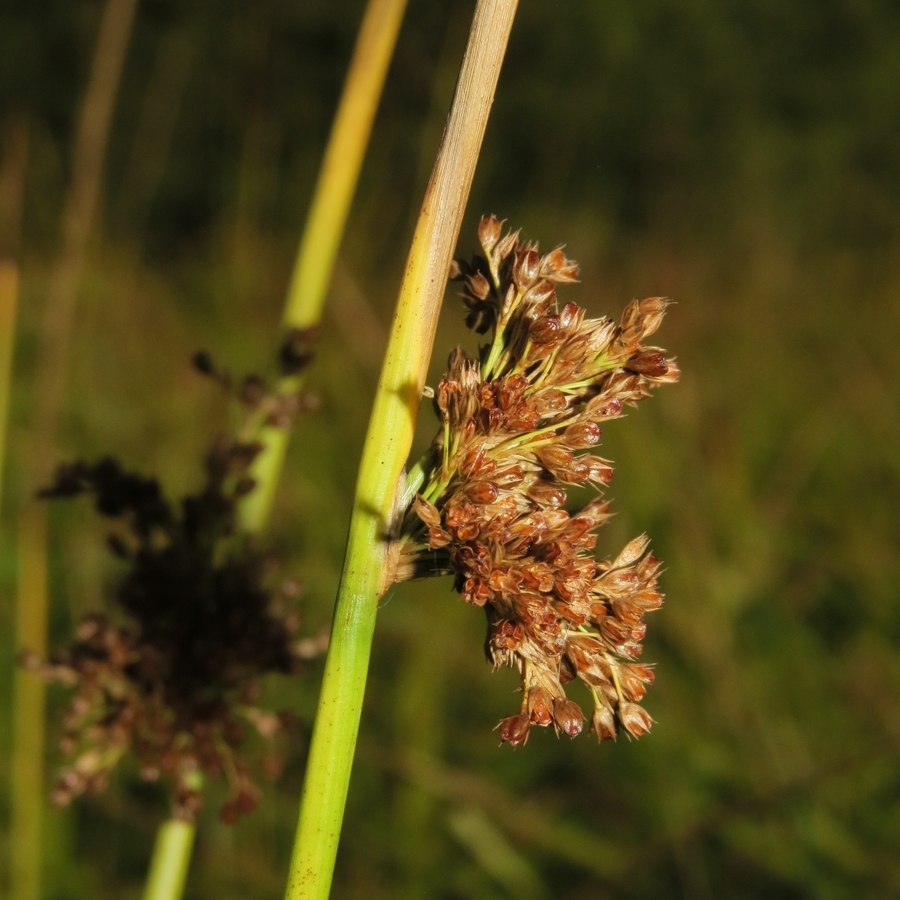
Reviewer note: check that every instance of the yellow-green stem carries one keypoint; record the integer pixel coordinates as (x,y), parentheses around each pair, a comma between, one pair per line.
(9,291)
(27,765)
(303,308)
(366,570)
(325,224)
(171,859)
(91,140)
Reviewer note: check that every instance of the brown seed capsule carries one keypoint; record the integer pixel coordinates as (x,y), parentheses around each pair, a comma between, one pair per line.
(539,706)
(565,274)
(526,268)
(489,230)
(438,537)
(550,401)
(571,317)
(478,286)
(482,492)
(546,493)
(607,409)
(634,719)
(514,730)
(582,435)
(510,477)
(545,330)
(555,458)
(568,716)
(523,417)
(599,470)
(651,363)
(603,723)
(476,592)
(540,298)
(553,262)
(475,463)
(459,268)
(426,511)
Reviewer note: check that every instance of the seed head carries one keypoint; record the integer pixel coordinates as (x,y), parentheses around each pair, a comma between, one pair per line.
(514,427)
(172,674)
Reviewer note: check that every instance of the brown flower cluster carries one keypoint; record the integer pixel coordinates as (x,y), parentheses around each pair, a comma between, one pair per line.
(172,676)
(491,505)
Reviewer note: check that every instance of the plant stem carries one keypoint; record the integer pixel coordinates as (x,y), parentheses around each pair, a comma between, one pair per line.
(91,139)
(12,194)
(367,572)
(303,308)
(171,859)
(325,224)
(27,763)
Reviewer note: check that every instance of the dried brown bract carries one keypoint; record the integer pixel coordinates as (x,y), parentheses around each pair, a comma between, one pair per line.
(517,428)
(172,675)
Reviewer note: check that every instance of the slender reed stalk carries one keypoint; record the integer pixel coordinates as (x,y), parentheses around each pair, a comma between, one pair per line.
(303,309)
(171,858)
(325,223)
(92,136)
(12,191)
(9,293)
(367,565)
(27,764)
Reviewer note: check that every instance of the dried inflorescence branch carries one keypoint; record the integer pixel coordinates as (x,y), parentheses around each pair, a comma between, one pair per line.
(492,494)
(173,676)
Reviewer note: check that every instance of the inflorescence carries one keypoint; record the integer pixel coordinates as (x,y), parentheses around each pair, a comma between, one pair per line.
(172,676)
(493,489)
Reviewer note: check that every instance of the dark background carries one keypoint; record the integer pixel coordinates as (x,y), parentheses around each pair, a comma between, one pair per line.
(741,157)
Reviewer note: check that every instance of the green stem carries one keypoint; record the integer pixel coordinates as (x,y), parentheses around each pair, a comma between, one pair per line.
(303,308)
(27,763)
(325,225)
(171,858)
(367,571)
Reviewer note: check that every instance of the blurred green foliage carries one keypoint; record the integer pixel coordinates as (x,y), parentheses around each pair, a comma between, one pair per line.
(743,158)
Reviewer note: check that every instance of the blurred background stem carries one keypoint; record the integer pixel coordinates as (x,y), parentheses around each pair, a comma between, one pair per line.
(92,137)
(325,224)
(13,164)
(367,570)
(319,244)
(171,860)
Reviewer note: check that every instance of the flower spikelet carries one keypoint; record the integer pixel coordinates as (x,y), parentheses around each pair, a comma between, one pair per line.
(519,426)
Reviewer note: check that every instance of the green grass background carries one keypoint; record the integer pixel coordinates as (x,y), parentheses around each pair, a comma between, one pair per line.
(743,158)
